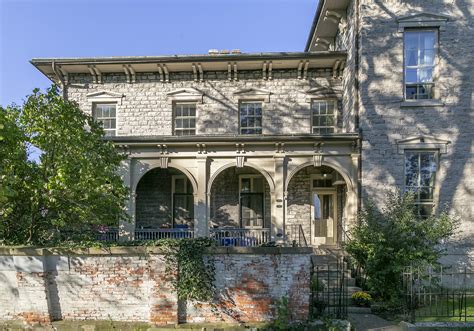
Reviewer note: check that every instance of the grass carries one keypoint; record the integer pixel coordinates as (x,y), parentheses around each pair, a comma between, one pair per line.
(446,311)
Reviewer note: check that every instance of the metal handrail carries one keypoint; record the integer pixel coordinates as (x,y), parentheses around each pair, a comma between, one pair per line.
(156,234)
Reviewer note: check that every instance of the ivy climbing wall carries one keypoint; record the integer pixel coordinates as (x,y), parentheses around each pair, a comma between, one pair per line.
(130,284)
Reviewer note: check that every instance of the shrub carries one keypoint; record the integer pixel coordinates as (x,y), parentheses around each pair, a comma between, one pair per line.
(386,241)
(361,299)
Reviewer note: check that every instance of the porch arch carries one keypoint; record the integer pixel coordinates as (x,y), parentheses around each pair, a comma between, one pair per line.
(263,172)
(339,169)
(156,164)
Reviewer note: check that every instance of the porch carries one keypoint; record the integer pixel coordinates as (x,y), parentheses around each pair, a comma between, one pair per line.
(241,206)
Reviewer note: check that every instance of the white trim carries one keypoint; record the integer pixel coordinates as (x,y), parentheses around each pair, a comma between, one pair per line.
(114,103)
(252,94)
(173,126)
(423,143)
(422,20)
(335,114)
(185,95)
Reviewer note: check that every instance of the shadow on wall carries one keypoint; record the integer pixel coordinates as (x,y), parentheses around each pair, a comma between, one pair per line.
(383,125)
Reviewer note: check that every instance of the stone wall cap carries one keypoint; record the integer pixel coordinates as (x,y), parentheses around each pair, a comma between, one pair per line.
(143,250)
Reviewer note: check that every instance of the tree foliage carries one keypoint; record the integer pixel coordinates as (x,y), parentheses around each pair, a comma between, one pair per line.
(385,242)
(72,188)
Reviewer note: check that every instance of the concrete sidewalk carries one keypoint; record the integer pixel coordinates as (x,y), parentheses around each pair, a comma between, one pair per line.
(371,322)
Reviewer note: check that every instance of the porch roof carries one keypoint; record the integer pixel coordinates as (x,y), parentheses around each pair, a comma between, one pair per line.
(229,139)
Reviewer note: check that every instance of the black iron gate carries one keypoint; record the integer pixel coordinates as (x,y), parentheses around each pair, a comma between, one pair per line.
(330,296)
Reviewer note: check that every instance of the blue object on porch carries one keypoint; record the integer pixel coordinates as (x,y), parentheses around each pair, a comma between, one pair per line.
(237,241)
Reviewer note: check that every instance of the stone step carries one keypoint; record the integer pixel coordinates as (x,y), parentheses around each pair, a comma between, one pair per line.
(358,310)
(336,281)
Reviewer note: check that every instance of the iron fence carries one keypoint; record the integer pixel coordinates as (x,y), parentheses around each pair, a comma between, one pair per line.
(330,296)
(439,292)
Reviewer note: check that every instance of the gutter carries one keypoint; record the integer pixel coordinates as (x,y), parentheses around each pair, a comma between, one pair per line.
(313,26)
(190,58)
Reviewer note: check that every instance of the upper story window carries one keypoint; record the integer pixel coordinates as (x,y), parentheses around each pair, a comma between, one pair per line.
(420,56)
(184,119)
(106,115)
(250,118)
(323,116)
(420,175)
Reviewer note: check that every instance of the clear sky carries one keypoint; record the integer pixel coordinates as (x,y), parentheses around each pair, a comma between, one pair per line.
(79,28)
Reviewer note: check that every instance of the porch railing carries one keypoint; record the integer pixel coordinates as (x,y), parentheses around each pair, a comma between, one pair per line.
(156,234)
(108,235)
(240,237)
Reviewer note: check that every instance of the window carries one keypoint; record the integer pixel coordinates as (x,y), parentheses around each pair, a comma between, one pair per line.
(420,175)
(106,115)
(183,202)
(420,54)
(251,201)
(250,118)
(323,116)
(184,119)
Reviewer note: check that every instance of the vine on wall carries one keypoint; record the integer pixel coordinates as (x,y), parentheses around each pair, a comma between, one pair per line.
(195,272)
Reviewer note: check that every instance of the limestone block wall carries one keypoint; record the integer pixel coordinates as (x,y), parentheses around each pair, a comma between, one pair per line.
(383,120)
(146,109)
(224,205)
(130,284)
(154,198)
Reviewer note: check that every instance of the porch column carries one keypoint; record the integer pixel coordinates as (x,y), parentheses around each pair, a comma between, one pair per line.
(127,229)
(277,200)
(352,193)
(200,199)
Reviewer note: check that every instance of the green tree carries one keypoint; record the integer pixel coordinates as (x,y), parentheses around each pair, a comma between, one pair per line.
(72,189)
(385,242)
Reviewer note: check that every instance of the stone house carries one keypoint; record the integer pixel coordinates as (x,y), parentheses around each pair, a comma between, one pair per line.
(251,148)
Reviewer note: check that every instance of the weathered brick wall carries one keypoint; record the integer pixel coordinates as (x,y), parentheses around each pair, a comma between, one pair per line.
(130,284)
(225,209)
(146,109)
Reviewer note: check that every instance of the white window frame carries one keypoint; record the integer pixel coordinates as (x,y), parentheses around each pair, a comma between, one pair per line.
(94,110)
(175,104)
(254,127)
(434,66)
(435,153)
(335,111)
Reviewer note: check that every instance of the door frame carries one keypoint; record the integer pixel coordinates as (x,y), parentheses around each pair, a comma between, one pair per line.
(323,191)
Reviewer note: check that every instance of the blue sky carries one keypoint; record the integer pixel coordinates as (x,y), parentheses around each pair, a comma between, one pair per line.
(77,28)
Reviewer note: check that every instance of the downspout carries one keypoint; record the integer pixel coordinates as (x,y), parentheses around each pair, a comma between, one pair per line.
(61,80)
(356,105)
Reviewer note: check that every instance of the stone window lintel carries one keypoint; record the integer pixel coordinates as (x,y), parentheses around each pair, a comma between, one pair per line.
(422,20)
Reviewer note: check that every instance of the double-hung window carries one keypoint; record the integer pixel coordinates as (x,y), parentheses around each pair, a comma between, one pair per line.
(184,119)
(105,113)
(420,176)
(250,118)
(252,201)
(420,57)
(323,116)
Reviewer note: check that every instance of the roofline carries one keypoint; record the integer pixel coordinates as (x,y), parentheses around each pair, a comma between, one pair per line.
(187,58)
(313,26)
(223,139)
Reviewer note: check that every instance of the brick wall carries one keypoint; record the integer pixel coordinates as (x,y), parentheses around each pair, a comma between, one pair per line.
(130,284)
